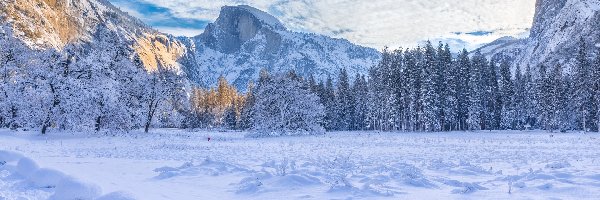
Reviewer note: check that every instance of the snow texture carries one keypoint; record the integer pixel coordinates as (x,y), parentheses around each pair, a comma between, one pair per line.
(175,164)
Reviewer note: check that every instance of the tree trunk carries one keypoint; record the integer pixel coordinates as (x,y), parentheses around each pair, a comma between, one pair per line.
(44,128)
(151,110)
(97,125)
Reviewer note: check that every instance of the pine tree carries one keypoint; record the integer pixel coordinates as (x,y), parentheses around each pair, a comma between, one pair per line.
(247,111)
(530,99)
(463,89)
(383,112)
(596,85)
(583,88)
(361,92)
(446,87)
(429,91)
(507,92)
(545,95)
(344,103)
(476,90)
(491,98)
(558,117)
(328,99)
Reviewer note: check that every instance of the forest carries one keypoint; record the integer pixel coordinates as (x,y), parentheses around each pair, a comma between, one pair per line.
(104,87)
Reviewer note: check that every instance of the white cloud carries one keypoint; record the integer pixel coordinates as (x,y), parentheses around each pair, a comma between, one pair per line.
(382,22)
(189,32)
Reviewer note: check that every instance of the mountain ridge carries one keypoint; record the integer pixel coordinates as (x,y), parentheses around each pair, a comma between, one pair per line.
(237,45)
(244,40)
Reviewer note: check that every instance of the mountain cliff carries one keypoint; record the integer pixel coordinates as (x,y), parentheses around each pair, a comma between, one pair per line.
(237,45)
(244,39)
(555,33)
(57,23)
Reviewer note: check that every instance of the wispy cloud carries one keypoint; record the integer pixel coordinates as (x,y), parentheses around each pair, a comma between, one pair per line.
(162,18)
(371,23)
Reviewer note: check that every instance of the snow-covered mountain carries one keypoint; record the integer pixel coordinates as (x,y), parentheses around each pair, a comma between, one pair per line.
(57,23)
(554,37)
(243,40)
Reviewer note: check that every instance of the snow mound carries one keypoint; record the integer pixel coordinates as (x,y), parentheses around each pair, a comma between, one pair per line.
(411,175)
(26,167)
(117,196)
(250,184)
(464,187)
(46,178)
(26,177)
(72,189)
(8,156)
(207,167)
(296,180)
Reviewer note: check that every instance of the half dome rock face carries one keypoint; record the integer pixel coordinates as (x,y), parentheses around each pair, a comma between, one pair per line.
(237,25)
(244,40)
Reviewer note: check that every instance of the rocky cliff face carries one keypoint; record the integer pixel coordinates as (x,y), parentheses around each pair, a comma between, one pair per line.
(244,40)
(238,45)
(57,23)
(554,37)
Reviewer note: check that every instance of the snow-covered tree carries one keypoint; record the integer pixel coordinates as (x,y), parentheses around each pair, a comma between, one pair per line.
(284,106)
(507,92)
(558,118)
(596,84)
(429,91)
(344,103)
(448,86)
(463,69)
(361,94)
(476,91)
(583,89)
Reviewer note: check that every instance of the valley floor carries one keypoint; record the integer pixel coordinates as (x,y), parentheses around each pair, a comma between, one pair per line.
(175,164)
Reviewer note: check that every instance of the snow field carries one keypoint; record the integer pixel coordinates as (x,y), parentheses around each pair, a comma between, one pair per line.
(175,164)
(22,173)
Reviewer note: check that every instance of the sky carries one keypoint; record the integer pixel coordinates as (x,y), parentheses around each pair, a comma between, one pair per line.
(373,23)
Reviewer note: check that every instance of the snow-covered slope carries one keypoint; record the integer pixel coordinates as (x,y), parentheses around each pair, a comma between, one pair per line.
(555,33)
(505,48)
(58,23)
(243,40)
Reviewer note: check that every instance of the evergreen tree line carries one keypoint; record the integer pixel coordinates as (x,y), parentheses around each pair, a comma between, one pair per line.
(429,89)
(103,85)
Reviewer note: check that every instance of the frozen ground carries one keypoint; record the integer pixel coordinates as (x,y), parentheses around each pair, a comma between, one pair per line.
(174,164)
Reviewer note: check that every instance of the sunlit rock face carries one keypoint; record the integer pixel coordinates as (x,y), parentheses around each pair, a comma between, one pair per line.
(57,23)
(241,42)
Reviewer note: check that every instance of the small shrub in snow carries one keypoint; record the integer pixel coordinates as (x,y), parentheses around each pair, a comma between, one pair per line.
(558,165)
(249,185)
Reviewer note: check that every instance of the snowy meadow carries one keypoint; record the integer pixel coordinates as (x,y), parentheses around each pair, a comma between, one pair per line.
(177,164)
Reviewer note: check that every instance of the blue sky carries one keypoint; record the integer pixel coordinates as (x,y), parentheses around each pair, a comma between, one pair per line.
(394,23)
